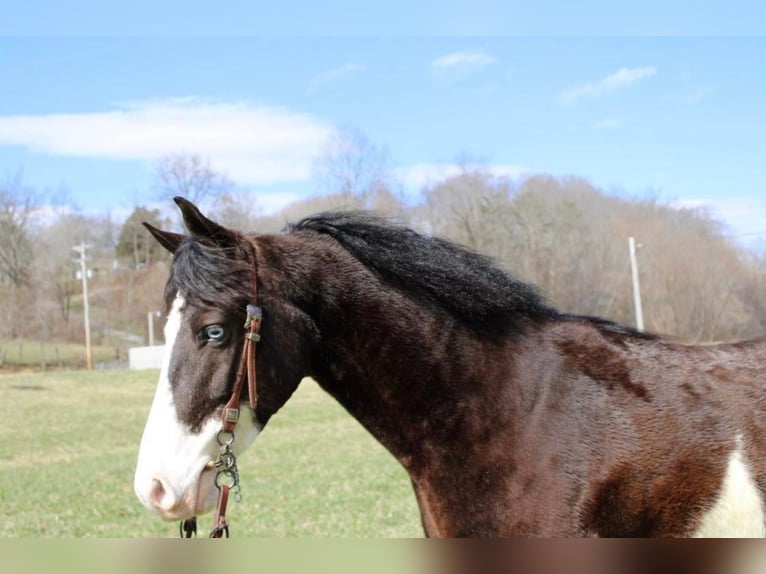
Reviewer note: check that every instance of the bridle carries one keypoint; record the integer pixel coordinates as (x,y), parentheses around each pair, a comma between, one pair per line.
(227,475)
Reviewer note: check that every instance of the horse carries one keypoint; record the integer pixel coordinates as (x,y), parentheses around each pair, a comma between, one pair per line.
(511,418)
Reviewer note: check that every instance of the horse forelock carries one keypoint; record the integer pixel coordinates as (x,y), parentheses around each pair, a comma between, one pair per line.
(210,275)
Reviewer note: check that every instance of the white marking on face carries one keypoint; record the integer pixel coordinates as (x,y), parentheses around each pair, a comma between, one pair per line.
(738,512)
(171,476)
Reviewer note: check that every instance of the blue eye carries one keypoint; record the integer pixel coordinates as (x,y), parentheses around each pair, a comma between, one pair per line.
(215,333)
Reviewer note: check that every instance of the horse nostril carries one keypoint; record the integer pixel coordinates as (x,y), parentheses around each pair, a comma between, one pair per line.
(162,498)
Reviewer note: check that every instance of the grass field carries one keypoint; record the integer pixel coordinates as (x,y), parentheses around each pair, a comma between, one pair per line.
(32,354)
(69,443)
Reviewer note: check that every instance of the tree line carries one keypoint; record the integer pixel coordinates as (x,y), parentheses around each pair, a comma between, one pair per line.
(562,234)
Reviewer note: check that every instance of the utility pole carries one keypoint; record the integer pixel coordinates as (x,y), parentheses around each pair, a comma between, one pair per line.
(150,317)
(86,307)
(150,321)
(636,285)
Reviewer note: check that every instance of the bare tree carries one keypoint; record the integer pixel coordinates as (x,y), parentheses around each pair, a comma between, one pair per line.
(570,239)
(693,277)
(54,271)
(353,169)
(553,240)
(753,293)
(190,176)
(238,210)
(18,204)
(473,208)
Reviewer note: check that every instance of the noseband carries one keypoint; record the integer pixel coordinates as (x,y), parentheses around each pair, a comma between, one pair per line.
(227,475)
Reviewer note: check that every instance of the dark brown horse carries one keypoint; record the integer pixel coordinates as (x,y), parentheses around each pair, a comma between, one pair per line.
(510,417)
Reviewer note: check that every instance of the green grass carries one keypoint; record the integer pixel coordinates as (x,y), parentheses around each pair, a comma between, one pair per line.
(69,442)
(31,354)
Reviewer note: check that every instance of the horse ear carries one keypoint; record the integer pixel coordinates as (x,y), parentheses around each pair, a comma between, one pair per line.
(167,239)
(202,227)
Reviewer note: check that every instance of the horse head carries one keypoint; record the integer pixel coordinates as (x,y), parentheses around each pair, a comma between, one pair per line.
(213,279)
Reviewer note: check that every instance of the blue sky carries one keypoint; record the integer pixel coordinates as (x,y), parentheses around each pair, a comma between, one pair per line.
(667,107)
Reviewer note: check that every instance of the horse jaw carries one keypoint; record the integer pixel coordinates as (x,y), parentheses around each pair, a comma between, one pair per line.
(172,475)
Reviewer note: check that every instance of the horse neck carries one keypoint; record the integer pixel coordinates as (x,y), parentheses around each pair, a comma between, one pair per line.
(411,373)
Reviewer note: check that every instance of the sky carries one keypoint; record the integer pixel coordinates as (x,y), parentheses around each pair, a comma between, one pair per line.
(665,102)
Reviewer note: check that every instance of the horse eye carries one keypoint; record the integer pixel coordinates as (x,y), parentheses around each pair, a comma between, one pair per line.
(215,333)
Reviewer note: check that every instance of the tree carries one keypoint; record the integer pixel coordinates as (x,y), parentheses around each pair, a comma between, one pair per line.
(135,242)
(753,293)
(18,204)
(237,210)
(693,277)
(470,207)
(571,240)
(54,268)
(190,176)
(354,170)
(555,242)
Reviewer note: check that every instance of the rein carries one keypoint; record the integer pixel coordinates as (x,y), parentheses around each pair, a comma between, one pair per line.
(227,475)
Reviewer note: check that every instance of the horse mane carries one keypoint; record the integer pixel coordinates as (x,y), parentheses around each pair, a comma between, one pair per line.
(608,327)
(432,270)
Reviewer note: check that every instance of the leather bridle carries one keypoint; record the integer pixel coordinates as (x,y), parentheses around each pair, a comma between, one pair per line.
(227,475)
(246,369)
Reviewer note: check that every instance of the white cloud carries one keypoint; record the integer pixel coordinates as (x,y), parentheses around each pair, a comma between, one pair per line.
(251,143)
(608,124)
(619,80)
(330,76)
(463,60)
(422,174)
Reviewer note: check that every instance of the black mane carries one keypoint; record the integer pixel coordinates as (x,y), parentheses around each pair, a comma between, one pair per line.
(207,274)
(432,270)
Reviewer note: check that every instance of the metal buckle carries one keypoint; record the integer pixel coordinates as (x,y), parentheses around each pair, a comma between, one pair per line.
(254,313)
(231,415)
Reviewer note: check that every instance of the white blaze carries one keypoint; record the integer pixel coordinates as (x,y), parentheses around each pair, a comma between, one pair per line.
(171,478)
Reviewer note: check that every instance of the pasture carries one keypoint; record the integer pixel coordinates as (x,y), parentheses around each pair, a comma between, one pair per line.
(69,441)
(19,354)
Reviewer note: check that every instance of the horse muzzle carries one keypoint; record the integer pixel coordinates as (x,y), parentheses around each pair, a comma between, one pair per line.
(177,500)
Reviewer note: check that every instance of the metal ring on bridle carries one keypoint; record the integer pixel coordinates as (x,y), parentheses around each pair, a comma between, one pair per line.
(232,476)
(227,442)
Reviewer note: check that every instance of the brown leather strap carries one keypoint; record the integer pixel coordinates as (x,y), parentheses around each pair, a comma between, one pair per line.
(231,409)
(247,361)
(221,526)
(255,315)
